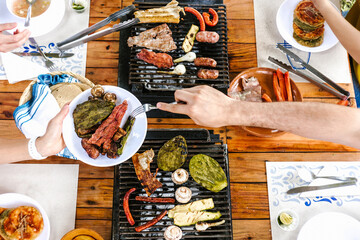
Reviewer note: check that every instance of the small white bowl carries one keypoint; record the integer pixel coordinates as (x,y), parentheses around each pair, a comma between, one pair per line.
(9,4)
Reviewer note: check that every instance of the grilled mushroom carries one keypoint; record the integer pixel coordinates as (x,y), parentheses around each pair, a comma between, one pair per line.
(183,194)
(111,97)
(97,91)
(180,176)
(173,233)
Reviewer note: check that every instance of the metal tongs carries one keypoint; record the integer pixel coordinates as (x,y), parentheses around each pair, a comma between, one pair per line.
(84,37)
(335,89)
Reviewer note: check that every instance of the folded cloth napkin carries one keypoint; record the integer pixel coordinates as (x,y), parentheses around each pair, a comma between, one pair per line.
(33,117)
(331,170)
(28,70)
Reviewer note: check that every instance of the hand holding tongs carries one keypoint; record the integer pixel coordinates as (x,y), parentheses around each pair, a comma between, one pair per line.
(79,38)
(336,90)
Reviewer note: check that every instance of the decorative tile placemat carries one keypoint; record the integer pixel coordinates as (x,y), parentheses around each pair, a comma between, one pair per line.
(71,23)
(282,176)
(333,63)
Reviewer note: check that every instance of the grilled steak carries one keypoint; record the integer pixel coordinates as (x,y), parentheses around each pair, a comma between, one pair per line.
(157,38)
(160,60)
(142,169)
(205,62)
(90,149)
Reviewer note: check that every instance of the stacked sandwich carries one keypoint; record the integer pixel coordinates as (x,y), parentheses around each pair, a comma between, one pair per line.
(25,223)
(308,25)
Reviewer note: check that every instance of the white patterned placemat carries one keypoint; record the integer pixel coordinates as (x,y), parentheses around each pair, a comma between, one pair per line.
(282,176)
(333,63)
(72,23)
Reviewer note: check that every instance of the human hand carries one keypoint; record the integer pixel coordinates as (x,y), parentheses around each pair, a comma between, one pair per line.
(320,3)
(52,142)
(205,105)
(10,42)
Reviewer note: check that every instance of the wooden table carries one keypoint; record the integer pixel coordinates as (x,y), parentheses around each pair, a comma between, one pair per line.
(247,154)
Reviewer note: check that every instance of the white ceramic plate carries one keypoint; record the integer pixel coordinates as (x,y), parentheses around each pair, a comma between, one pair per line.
(330,226)
(134,142)
(12,200)
(284,22)
(39,25)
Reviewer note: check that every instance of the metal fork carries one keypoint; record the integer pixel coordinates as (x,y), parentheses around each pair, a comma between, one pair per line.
(48,63)
(145,108)
(142,109)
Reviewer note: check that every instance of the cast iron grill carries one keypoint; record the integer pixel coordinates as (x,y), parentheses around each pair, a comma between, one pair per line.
(142,79)
(198,141)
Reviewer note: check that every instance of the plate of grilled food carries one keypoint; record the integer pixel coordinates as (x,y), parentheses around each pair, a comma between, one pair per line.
(264,85)
(21,217)
(301,24)
(98,129)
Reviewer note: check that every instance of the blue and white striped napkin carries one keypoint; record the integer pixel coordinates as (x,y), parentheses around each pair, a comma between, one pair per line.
(33,117)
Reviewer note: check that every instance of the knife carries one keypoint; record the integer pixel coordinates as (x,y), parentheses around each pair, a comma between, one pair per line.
(314,188)
(54,55)
(313,70)
(312,80)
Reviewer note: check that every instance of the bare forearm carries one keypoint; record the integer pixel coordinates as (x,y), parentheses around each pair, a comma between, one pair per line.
(12,150)
(321,121)
(347,34)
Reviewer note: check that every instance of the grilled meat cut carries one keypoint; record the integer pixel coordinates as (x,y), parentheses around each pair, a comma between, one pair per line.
(207,37)
(160,60)
(208,74)
(205,62)
(103,135)
(90,149)
(157,38)
(142,168)
(251,91)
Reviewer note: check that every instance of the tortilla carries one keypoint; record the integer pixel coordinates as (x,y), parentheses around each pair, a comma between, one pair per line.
(66,93)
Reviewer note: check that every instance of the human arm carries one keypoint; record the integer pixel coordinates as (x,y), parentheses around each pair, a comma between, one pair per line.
(9,42)
(347,34)
(14,150)
(329,122)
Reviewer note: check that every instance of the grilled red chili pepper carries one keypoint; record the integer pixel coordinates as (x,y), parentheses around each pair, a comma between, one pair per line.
(215,17)
(343,103)
(155,200)
(197,15)
(288,87)
(151,222)
(266,97)
(126,207)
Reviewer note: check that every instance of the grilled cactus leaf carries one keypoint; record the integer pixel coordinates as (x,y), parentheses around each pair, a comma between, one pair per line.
(172,155)
(207,172)
(88,114)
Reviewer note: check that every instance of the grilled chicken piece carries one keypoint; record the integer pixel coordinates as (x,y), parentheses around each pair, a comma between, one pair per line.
(142,169)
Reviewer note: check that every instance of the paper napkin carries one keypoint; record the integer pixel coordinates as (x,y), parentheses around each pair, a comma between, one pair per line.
(353,190)
(20,69)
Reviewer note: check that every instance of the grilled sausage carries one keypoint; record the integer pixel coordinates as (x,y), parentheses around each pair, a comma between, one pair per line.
(208,73)
(207,36)
(205,62)
(90,149)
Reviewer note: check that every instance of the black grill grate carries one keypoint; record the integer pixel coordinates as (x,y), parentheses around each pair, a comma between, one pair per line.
(141,78)
(199,141)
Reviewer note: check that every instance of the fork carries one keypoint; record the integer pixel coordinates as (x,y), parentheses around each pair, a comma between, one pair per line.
(48,63)
(142,109)
(145,108)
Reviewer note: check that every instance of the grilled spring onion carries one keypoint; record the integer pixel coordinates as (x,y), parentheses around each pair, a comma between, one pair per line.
(178,70)
(189,57)
(190,38)
(204,225)
(128,126)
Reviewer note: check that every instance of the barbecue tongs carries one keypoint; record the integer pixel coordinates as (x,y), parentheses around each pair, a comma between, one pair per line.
(79,38)
(335,89)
